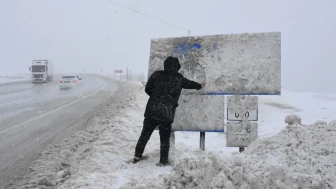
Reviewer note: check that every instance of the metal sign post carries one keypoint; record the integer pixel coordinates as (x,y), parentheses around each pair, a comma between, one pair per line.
(202,141)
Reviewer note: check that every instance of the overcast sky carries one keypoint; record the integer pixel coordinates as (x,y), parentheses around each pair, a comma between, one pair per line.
(97,35)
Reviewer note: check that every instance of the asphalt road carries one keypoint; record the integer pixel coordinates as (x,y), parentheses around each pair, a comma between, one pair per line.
(33,116)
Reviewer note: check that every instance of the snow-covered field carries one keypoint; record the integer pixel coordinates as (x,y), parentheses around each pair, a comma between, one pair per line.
(13,78)
(284,156)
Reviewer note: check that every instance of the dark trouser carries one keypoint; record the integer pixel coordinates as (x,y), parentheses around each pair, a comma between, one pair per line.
(147,130)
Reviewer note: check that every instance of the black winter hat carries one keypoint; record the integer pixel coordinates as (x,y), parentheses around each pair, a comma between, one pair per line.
(172,64)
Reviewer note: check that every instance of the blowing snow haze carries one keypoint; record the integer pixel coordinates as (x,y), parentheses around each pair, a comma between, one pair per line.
(99,35)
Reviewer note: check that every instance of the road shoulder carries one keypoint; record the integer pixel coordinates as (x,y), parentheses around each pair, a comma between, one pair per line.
(56,164)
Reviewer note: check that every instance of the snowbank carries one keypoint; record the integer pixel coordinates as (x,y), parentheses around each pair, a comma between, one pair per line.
(292,119)
(104,168)
(16,78)
(300,156)
(332,124)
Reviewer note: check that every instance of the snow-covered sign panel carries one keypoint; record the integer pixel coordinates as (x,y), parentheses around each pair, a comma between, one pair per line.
(241,134)
(199,113)
(246,63)
(240,107)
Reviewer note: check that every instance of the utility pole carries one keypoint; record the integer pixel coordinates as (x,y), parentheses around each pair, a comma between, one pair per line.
(127,73)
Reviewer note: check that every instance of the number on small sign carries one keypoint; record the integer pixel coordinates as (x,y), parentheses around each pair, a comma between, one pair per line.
(243,139)
(247,114)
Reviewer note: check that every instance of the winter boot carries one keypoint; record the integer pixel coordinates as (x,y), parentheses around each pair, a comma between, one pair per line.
(162,163)
(136,159)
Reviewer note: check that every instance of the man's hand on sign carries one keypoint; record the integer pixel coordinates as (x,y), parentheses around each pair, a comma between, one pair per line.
(203,85)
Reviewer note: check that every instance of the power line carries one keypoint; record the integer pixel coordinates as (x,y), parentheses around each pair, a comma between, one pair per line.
(157,19)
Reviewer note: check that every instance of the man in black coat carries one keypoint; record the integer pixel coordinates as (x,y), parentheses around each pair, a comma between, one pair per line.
(164,88)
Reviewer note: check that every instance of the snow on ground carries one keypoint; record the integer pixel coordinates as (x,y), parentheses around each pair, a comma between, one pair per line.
(300,156)
(13,78)
(292,156)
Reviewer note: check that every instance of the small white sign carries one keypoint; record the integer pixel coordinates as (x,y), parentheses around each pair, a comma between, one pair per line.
(118,71)
(242,108)
(241,134)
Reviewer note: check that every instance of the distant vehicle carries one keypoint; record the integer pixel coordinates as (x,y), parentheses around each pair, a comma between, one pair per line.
(70,81)
(42,71)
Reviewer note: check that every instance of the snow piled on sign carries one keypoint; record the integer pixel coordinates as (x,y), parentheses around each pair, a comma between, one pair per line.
(239,63)
(248,63)
(207,113)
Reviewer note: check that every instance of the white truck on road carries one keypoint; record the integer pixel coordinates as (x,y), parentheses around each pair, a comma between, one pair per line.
(42,71)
